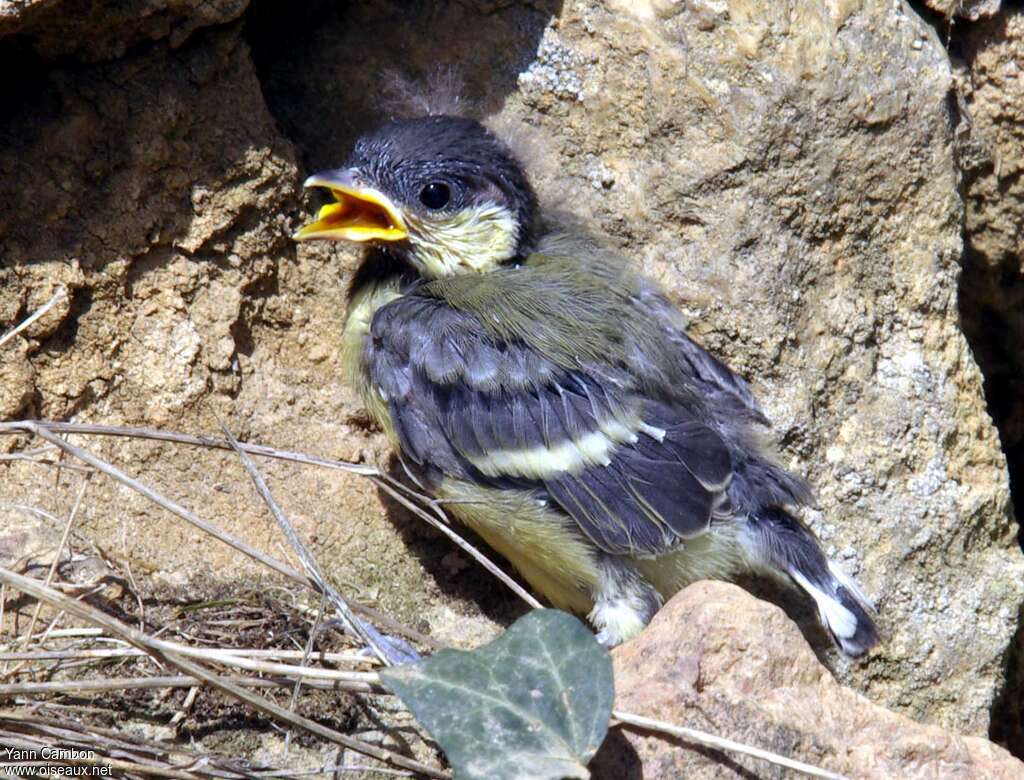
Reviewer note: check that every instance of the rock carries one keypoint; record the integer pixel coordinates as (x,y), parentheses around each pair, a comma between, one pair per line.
(788,173)
(95,30)
(157,189)
(133,211)
(16,379)
(991,87)
(786,170)
(718,660)
(965,9)
(992,291)
(994,93)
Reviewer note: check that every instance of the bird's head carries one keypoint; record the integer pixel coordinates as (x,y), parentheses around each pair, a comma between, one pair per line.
(442,192)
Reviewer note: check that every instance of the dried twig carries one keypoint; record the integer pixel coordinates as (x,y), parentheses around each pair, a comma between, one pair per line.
(143,757)
(364,631)
(110,470)
(61,292)
(310,672)
(492,567)
(80,686)
(64,633)
(411,499)
(42,430)
(31,510)
(37,456)
(186,706)
(307,651)
(49,574)
(331,769)
(720,743)
(76,731)
(173,437)
(226,658)
(196,652)
(28,454)
(169,654)
(98,745)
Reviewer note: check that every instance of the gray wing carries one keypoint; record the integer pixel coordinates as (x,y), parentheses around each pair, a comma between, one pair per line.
(728,394)
(636,474)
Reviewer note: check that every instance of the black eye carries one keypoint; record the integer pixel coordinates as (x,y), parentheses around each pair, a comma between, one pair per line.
(435,195)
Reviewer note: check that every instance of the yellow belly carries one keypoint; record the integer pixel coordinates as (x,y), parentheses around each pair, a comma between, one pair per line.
(560,563)
(715,555)
(542,544)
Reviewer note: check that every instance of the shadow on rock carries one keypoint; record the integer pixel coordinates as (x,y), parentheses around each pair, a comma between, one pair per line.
(325,66)
(457,575)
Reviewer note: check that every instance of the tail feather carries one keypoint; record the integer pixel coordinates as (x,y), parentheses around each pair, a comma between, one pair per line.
(851,585)
(782,543)
(842,611)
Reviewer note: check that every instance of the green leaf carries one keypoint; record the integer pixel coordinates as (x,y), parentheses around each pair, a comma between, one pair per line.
(534,703)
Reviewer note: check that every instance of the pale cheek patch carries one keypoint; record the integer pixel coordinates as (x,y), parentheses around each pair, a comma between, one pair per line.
(474,240)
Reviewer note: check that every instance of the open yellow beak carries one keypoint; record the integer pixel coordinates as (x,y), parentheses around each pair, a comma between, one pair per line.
(359,213)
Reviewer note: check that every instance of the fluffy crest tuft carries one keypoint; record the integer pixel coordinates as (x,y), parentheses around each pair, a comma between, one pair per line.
(544,170)
(440,93)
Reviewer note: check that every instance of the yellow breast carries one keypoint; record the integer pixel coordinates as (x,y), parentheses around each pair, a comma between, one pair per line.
(363,304)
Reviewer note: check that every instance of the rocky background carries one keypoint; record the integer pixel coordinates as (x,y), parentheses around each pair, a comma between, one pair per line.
(830,189)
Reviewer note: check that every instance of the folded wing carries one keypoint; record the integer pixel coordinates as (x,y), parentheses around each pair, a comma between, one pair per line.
(637,474)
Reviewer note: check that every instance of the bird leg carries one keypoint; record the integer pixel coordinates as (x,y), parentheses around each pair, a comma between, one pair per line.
(624,601)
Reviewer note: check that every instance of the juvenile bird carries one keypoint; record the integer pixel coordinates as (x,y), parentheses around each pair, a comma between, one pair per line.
(532,376)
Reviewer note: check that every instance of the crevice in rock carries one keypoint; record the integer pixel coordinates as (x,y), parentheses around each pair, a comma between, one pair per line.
(942,24)
(992,317)
(17,56)
(61,340)
(326,68)
(991,307)
(1008,709)
(991,290)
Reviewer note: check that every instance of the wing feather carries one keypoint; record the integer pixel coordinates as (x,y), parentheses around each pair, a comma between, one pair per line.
(637,475)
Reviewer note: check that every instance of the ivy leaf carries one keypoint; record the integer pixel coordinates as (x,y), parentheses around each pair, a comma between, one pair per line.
(534,703)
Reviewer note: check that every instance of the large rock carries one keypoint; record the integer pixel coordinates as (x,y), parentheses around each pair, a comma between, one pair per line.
(717,660)
(99,29)
(136,186)
(992,290)
(158,192)
(788,172)
(992,155)
(994,92)
(785,169)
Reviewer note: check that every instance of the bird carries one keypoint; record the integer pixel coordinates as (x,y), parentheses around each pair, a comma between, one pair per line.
(535,381)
